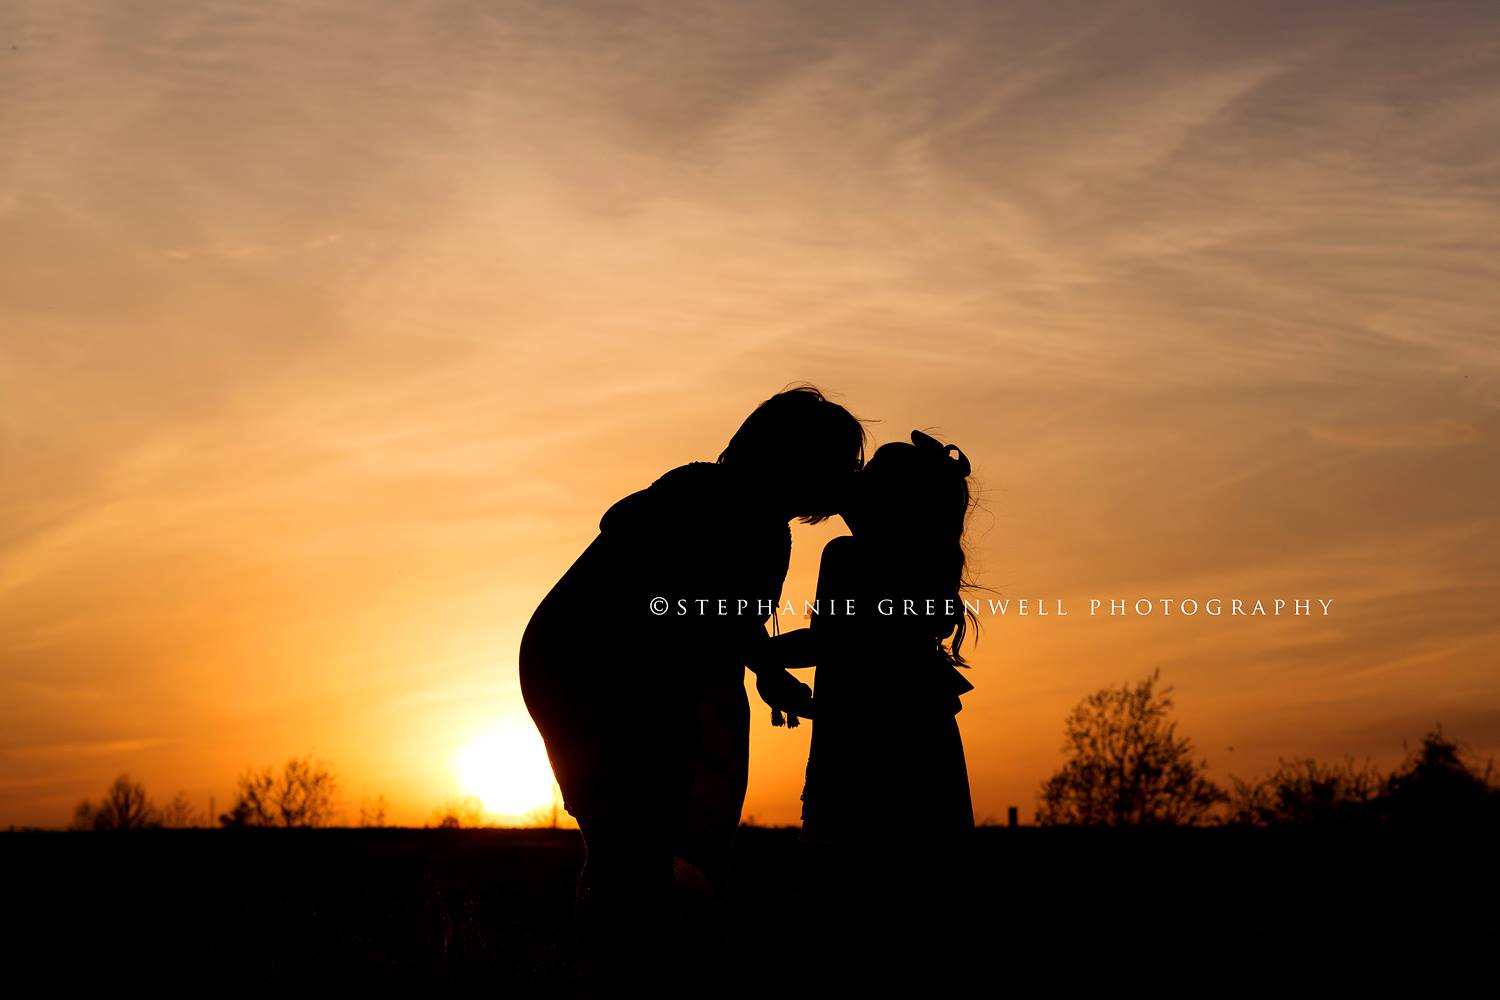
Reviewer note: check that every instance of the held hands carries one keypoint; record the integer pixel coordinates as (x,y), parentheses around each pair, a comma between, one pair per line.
(784,693)
(768,659)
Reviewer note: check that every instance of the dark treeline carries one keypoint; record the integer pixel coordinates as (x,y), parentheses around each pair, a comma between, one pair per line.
(1126,765)
(303,794)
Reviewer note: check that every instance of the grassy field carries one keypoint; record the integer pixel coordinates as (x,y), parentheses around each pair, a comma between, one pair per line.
(488,910)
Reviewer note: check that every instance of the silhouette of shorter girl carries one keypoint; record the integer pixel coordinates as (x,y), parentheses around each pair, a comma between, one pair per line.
(886,804)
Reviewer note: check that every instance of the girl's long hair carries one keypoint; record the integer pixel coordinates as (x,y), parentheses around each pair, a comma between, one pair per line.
(954,557)
(934,503)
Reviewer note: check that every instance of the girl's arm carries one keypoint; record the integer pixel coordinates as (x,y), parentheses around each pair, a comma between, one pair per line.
(835,590)
(802,647)
(792,649)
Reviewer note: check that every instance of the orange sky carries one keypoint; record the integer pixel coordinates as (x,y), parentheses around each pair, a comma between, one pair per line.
(328,332)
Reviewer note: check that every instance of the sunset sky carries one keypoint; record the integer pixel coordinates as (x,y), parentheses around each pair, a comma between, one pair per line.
(328,330)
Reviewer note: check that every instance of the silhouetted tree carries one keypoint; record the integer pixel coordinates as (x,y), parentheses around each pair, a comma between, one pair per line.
(303,795)
(1127,766)
(372,813)
(1437,786)
(254,803)
(307,794)
(125,806)
(179,814)
(1303,791)
(83,816)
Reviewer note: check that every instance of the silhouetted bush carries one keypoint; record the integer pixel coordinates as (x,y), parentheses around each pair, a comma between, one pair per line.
(1305,791)
(1437,786)
(465,812)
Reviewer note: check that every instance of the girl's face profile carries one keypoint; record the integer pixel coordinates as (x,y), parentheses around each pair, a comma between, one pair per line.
(822,487)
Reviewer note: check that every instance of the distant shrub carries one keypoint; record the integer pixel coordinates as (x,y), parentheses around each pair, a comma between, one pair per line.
(372,812)
(465,812)
(1304,791)
(1441,784)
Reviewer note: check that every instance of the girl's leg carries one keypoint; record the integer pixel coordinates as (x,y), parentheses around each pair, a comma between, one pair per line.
(625,903)
(624,869)
(622,911)
(713,780)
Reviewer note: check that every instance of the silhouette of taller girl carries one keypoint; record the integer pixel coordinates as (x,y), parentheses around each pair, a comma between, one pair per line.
(642,708)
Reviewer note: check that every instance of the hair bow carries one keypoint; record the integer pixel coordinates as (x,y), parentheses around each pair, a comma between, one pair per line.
(933,446)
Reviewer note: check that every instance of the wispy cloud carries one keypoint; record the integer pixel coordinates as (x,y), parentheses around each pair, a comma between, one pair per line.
(113,750)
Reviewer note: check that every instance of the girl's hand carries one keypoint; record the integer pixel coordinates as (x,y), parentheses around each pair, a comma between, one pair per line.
(784,693)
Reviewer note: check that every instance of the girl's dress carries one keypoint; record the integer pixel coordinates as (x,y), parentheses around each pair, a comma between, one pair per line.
(886,758)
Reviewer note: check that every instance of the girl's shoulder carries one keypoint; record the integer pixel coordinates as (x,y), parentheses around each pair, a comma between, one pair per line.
(677,495)
(691,473)
(691,483)
(844,558)
(841,549)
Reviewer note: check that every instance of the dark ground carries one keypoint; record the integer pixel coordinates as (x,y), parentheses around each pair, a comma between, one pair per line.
(433,911)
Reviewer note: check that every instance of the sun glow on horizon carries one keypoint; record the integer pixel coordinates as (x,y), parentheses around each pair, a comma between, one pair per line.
(507,769)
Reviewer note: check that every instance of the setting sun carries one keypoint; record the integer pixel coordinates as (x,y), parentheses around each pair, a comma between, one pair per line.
(506,767)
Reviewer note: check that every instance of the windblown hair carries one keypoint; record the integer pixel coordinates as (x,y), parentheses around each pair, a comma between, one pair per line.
(803,424)
(926,487)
